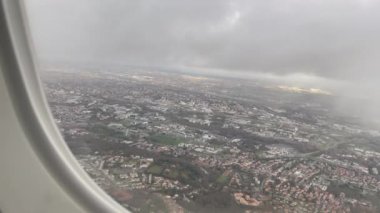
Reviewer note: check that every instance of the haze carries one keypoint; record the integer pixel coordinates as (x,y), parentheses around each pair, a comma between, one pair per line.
(331,44)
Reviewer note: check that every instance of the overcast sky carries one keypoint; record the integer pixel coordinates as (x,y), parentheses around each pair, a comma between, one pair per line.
(331,39)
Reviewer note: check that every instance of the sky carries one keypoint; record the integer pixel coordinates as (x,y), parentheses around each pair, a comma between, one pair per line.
(331,41)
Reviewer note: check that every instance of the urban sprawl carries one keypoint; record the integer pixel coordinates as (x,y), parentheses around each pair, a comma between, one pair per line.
(160,141)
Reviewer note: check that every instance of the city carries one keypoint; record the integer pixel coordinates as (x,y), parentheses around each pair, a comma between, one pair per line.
(161,141)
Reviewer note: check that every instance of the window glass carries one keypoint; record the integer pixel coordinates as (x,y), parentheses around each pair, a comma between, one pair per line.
(220,105)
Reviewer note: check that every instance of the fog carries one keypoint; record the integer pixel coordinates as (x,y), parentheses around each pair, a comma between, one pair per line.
(328,44)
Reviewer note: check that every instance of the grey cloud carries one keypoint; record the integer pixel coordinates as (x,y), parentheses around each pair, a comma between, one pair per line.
(337,39)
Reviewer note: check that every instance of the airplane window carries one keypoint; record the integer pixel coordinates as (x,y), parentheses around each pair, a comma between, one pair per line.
(217,106)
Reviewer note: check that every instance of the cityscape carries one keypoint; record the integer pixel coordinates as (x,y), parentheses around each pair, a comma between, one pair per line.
(162,141)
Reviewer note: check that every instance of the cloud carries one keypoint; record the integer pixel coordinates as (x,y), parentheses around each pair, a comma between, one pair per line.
(337,39)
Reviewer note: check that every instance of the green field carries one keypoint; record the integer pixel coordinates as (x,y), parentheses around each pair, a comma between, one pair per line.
(105,131)
(175,171)
(222,179)
(165,139)
(155,169)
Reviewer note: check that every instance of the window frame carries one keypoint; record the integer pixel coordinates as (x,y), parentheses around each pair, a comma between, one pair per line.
(33,113)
